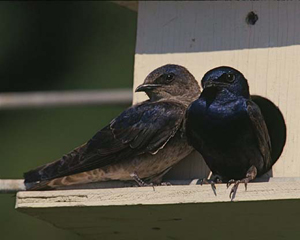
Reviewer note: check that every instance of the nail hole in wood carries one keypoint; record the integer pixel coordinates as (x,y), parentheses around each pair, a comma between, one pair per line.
(251,18)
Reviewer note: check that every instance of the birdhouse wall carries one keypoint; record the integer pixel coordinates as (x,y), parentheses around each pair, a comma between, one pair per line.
(207,34)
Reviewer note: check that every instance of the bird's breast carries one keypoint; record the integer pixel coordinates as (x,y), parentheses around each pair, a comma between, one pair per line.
(218,113)
(218,121)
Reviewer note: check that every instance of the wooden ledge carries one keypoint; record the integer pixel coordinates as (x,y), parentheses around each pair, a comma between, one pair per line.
(270,210)
(180,194)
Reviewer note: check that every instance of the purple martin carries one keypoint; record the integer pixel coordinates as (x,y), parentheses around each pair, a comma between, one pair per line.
(143,142)
(227,128)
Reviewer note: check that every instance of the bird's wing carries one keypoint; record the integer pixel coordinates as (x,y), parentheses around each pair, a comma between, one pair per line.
(261,131)
(143,128)
(148,128)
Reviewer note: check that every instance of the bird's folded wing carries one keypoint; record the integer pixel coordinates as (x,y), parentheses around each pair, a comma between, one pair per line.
(148,127)
(261,131)
(143,128)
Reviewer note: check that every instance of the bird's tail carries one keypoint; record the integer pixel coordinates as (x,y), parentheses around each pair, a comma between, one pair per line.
(33,179)
(38,178)
(34,186)
(41,177)
(33,175)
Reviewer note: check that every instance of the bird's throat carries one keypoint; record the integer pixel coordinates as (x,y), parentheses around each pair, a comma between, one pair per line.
(210,94)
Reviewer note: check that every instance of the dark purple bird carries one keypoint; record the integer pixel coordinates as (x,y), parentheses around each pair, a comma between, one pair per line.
(143,142)
(228,129)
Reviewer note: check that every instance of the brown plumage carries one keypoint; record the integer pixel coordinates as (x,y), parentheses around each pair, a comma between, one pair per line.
(146,139)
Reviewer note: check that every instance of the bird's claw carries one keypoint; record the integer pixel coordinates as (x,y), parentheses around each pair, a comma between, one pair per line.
(203,181)
(147,185)
(233,190)
(231,181)
(212,184)
(165,184)
(139,181)
(236,183)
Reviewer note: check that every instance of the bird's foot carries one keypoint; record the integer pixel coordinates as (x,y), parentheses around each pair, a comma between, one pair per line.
(212,181)
(251,174)
(207,181)
(165,184)
(140,182)
(236,183)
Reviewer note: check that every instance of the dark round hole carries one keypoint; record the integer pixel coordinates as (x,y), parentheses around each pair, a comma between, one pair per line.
(251,18)
(275,124)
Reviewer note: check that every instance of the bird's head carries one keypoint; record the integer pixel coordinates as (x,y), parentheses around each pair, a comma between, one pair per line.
(226,78)
(170,81)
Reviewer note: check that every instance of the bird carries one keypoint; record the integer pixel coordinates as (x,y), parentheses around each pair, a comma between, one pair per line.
(140,144)
(228,129)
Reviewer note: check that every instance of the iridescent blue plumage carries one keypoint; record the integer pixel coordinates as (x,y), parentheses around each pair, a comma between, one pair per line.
(228,129)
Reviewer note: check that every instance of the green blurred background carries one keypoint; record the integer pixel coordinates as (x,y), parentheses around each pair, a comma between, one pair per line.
(56,46)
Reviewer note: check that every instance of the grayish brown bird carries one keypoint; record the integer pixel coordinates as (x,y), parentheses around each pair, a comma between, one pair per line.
(143,142)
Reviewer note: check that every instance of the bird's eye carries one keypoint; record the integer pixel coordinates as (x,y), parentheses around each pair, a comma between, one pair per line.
(169,78)
(230,77)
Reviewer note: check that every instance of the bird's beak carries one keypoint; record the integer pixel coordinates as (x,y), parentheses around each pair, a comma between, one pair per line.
(214,84)
(147,87)
(209,83)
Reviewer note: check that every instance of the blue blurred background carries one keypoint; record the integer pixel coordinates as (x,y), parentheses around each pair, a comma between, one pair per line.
(56,46)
